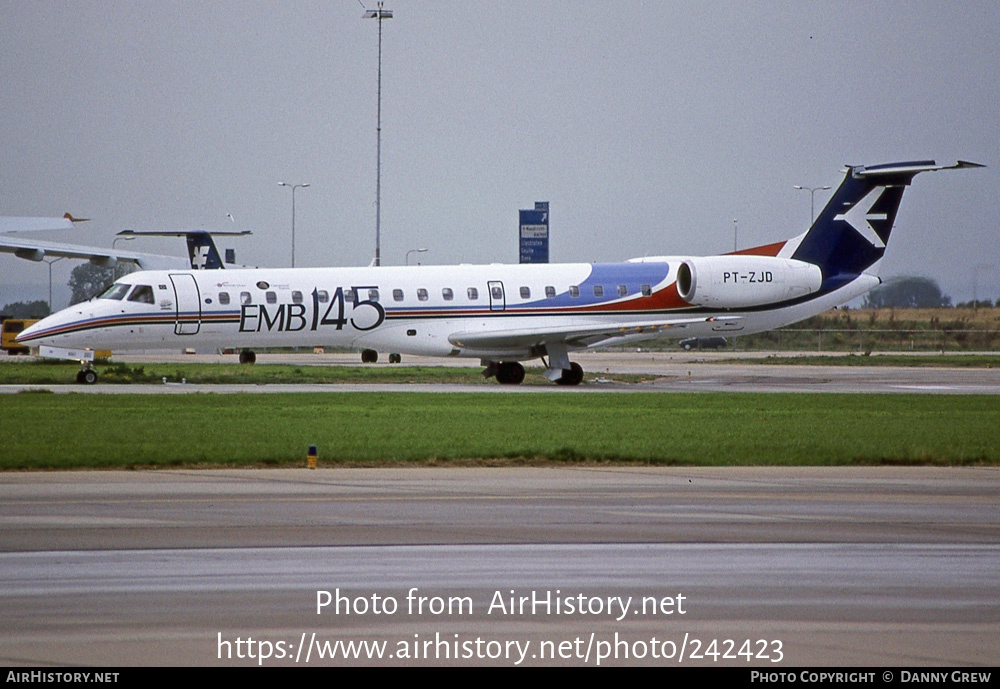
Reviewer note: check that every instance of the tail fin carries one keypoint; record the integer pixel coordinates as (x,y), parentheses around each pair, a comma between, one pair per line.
(202,251)
(852,231)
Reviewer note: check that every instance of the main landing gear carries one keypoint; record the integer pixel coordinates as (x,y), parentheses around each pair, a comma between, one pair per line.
(512,373)
(508,372)
(247,356)
(572,375)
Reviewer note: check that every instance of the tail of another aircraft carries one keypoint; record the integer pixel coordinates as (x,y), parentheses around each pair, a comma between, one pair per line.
(202,251)
(201,247)
(851,232)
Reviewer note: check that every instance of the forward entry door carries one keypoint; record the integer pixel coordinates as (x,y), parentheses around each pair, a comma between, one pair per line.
(188,302)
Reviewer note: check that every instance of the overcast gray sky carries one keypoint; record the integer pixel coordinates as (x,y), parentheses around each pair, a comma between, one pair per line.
(648,126)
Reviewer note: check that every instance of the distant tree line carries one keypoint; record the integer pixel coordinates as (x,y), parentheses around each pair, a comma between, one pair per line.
(907,292)
(27,309)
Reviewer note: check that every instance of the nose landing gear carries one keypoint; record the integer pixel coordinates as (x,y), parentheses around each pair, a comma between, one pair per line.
(86,376)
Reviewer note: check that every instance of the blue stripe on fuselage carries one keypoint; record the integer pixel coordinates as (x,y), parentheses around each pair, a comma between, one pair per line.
(609,276)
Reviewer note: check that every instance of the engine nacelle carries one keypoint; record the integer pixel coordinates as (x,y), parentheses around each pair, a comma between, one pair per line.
(733,282)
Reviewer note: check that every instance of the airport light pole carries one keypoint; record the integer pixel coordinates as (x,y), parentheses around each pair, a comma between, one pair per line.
(812,199)
(378,14)
(414,251)
(119,268)
(294,187)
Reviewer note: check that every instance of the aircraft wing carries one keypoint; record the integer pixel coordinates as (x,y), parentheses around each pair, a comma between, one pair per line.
(37,250)
(15,224)
(578,336)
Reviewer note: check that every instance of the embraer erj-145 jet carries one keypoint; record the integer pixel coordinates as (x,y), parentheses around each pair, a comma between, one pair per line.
(502,314)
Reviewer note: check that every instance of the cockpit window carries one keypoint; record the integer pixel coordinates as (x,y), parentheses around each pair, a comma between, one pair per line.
(142,294)
(117,291)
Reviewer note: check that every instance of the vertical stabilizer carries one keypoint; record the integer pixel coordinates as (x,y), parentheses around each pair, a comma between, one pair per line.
(853,229)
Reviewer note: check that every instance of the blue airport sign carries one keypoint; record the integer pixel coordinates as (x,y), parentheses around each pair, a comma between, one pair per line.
(534,234)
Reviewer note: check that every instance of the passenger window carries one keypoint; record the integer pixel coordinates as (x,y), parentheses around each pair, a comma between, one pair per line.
(473,293)
(142,294)
(223,297)
(550,292)
(598,291)
(322,296)
(245,298)
(296,297)
(497,292)
(622,291)
(422,294)
(574,291)
(447,294)
(271,297)
(525,292)
(646,291)
(373,295)
(397,295)
(348,296)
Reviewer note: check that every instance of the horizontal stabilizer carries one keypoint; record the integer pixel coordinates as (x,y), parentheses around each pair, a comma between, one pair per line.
(910,168)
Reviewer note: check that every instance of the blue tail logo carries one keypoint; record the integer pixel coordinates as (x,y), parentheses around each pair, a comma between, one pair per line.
(852,231)
(202,251)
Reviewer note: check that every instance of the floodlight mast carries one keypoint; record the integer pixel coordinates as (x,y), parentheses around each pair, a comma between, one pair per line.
(378,14)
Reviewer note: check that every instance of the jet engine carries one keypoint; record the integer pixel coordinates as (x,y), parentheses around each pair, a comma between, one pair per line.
(733,282)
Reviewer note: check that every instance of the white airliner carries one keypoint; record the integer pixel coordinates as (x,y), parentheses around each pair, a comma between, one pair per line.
(503,314)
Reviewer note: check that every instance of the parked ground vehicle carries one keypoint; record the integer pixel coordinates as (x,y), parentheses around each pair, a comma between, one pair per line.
(703,343)
(9,329)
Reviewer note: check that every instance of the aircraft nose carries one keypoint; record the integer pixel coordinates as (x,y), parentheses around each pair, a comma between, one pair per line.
(33,334)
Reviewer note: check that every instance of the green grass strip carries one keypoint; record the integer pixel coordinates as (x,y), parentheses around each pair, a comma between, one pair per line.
(74,431)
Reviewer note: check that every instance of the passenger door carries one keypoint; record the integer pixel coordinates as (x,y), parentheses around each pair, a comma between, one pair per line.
(188,302)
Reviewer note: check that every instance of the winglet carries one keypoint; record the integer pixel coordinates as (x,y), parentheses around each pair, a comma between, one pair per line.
(72,219)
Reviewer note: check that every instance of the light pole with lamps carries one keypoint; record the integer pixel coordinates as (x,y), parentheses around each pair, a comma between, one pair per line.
(414,251)
(119,266)
(812,199)
(294,187)
(378,14)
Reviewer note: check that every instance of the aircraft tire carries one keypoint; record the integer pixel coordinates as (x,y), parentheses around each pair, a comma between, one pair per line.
(395,358)
(369,356)
(571,376)
(87,376)
(247,356)
(510,373)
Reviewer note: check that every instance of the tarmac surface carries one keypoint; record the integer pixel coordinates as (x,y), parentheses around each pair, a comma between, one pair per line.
(660,372)
(764,567)
(891,567)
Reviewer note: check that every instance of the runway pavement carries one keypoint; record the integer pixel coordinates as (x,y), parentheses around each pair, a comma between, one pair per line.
(575,566)
(659,372)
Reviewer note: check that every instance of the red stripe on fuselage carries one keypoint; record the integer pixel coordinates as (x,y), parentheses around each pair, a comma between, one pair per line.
(765,250)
